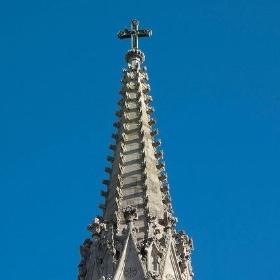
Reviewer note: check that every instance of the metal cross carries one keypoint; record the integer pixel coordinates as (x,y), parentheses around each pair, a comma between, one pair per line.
(134,34)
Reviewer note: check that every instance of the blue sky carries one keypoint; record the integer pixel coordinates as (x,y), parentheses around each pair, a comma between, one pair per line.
(214,72)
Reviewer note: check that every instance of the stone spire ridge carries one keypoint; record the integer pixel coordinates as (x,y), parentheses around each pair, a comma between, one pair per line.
(136,172)
(135,234)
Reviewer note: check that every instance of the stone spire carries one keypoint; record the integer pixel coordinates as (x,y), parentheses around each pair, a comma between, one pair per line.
(135,238)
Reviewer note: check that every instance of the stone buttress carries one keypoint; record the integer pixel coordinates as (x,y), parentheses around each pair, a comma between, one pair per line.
(135,238)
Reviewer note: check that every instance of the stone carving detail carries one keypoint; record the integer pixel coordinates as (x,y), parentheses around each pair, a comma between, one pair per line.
(119,249)
(123,146)
(159,155)
(107,277)
(85,254)
(122,91)
(106,182)
(165,190)
(169,277)
(126,127)
(142,146)
(104,193)
(132,75)
(163,177)
(96,226)
(126,117)
(140,124)
(144,177)
(134,53)
(118,113)
(120,180)
(156,143)
(168,221)
(144,165)
(121,168)
(130,213)
(127,105)
(116,125)
(151,275)
(124,136)
(184,247)
(115,136)
(145,88)
(112,147)
(161,166)
(154,132)
(166,200)
(150,110)
(152,121)
(130,272)
(122,158)
(120,102)
(108,170)
(102,206)
(148,99)
(110,158)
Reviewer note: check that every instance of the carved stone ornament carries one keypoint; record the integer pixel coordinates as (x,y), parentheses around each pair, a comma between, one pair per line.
(156,143)
(96,226)
(110,158)
(148,99)
(112,147)
(130,272)
(154,132)
(116,125)
(185,243)
(150,110)
(135,53)
(85,254)
(85,249)
(105,182)
(118,113)
(130,213)
(107,277)
(104,193)
(169,277)
(168,221)
(146,88)
(159,155)
(184,247)
(152,275)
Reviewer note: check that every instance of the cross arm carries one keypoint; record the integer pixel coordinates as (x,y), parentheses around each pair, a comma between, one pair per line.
(144,33)
(134,33)
(124,34)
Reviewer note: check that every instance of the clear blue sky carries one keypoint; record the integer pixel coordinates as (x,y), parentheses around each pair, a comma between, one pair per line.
(214,72)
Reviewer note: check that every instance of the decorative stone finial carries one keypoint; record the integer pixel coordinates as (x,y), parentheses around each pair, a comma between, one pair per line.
(130,213)
(96,226)
(168,220)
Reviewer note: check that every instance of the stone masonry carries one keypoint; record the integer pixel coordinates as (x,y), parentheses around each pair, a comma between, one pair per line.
(135,237)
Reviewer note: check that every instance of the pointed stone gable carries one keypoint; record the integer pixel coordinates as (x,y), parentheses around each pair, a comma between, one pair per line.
(130,265)
(135,237)
(171,269)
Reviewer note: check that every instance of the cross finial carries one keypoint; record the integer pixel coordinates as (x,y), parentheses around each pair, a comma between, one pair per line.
(134,33)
